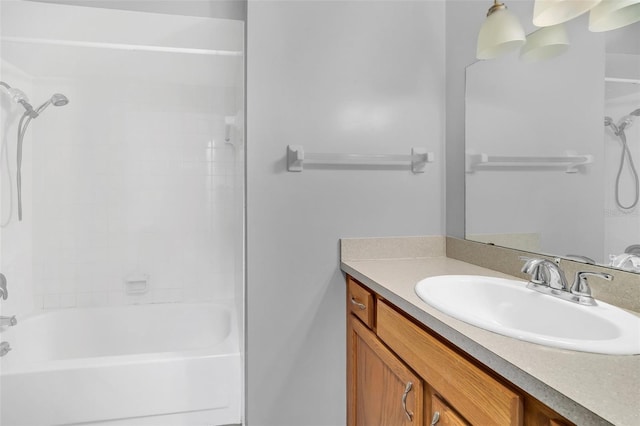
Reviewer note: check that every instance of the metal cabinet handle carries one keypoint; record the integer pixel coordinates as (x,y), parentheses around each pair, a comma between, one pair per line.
(358,304)
(407,389)
(435,419)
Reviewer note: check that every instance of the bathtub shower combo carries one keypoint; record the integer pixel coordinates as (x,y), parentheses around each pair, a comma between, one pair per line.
(155,364)
(121,237)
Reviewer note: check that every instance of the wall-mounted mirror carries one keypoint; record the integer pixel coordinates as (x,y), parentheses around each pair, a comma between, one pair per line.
(543,158)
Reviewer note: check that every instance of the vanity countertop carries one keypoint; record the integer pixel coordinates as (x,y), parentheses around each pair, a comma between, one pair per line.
(588,389)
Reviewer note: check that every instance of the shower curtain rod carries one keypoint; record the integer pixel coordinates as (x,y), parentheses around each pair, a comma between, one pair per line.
(570,162)
(621,80)
(123,46)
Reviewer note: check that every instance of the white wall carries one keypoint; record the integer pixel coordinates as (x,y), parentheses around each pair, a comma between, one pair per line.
(334,77)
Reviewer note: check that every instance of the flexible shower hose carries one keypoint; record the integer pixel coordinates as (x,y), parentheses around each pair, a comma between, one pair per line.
(4,161)
(626,153)
(21,132)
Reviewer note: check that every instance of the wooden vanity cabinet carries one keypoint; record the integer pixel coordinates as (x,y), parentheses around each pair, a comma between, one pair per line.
(382,389)
(360,302)
(400,373)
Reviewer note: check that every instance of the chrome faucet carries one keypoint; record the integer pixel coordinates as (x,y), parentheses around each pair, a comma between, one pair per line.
(548,278)
(545,273)
(8,321)
(626,261)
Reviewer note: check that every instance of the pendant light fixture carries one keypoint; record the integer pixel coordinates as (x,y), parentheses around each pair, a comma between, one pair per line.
(553,12)
(613,14)
(500,33)
(545,43)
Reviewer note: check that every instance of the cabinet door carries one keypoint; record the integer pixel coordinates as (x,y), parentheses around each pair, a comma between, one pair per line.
(443,415)
(473,393)
(381,389)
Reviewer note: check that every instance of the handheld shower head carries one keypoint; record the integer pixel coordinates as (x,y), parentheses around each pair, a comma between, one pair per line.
(57,99)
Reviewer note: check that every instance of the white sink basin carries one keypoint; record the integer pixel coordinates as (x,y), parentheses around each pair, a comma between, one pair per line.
(507,307)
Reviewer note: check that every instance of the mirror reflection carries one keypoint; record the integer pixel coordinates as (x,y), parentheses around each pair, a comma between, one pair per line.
(553,150)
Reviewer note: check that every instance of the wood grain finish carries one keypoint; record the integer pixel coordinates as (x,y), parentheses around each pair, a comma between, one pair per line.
(377,383)
(538,414)
(360,302)
(477,396)
(446,416)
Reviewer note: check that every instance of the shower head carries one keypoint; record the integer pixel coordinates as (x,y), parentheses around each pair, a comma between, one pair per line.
(608,121)
(57,99)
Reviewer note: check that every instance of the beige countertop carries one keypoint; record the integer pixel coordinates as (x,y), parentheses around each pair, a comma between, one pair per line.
(588,389)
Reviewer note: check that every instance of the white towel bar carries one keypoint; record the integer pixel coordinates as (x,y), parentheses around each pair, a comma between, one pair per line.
(570,163)
(296,158)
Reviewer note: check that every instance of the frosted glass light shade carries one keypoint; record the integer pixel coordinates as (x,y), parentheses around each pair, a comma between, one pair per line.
(500,33)
(553,12)
(612,14)
(545,43)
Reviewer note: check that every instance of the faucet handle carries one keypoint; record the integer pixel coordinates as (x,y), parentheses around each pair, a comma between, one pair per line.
(580,285)
(532,266)
(545,272)
(3,287)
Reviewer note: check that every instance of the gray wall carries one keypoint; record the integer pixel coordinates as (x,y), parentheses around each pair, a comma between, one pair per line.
(539,109)
(334,77)
(463,21)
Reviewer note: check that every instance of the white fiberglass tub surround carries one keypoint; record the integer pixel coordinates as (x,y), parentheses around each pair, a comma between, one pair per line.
(159,364)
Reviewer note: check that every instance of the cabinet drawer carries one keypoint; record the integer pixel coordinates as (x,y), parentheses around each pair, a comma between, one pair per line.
(360,302)
(443,415)
(478,397)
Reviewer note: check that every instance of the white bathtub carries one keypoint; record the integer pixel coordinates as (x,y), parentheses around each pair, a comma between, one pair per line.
(161,364)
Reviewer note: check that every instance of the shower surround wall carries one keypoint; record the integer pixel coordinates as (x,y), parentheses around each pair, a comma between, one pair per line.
(133,177)
(16,246)
(127,186)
